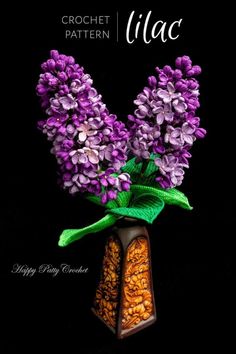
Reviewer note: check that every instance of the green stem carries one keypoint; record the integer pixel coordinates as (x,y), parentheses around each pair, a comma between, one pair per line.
(152,174)
(143,169)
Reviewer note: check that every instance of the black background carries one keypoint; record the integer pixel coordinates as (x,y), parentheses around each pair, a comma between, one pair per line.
(192,252)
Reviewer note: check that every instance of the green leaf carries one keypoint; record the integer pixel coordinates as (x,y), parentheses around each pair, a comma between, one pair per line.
(71,235)
(145,206)
(123,199)
(169,196)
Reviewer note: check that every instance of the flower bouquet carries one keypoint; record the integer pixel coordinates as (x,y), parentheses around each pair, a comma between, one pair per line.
(132,170)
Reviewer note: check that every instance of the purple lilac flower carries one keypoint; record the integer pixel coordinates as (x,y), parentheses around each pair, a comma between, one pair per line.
(171,171)
(89,143)
(165,121)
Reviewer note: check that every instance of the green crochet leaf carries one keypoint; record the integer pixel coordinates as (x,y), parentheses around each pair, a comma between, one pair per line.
(145,206)
(71,235)
(122,199)
(169,196)
(143,202)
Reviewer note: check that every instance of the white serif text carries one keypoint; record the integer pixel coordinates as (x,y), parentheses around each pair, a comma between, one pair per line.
(144,27)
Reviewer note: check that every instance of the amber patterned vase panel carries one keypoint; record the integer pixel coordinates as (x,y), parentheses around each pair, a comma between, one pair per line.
(137,304)
(124,298)
(107,293)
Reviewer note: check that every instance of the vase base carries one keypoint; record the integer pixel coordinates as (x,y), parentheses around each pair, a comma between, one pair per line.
(102,320)
(121,334)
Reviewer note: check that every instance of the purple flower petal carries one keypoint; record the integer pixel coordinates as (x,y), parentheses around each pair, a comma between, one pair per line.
(82,158)
(83,179)
(164,95)
(75,159)
(82,136)
(170,87)
(188,139)
(160,118)
(93,157)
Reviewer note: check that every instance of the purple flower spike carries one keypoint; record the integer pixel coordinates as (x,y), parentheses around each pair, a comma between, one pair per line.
(165,123)
(89,143)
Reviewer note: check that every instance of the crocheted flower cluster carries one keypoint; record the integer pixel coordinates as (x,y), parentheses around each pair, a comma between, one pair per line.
(165,121)
(89,143)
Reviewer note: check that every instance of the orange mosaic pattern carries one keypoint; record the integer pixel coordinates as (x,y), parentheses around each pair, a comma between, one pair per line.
(107,294)
(137,299)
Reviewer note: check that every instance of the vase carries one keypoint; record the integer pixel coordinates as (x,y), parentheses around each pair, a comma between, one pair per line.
(124,299)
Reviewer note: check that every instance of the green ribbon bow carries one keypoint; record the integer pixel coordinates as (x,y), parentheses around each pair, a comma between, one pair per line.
(144,201)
